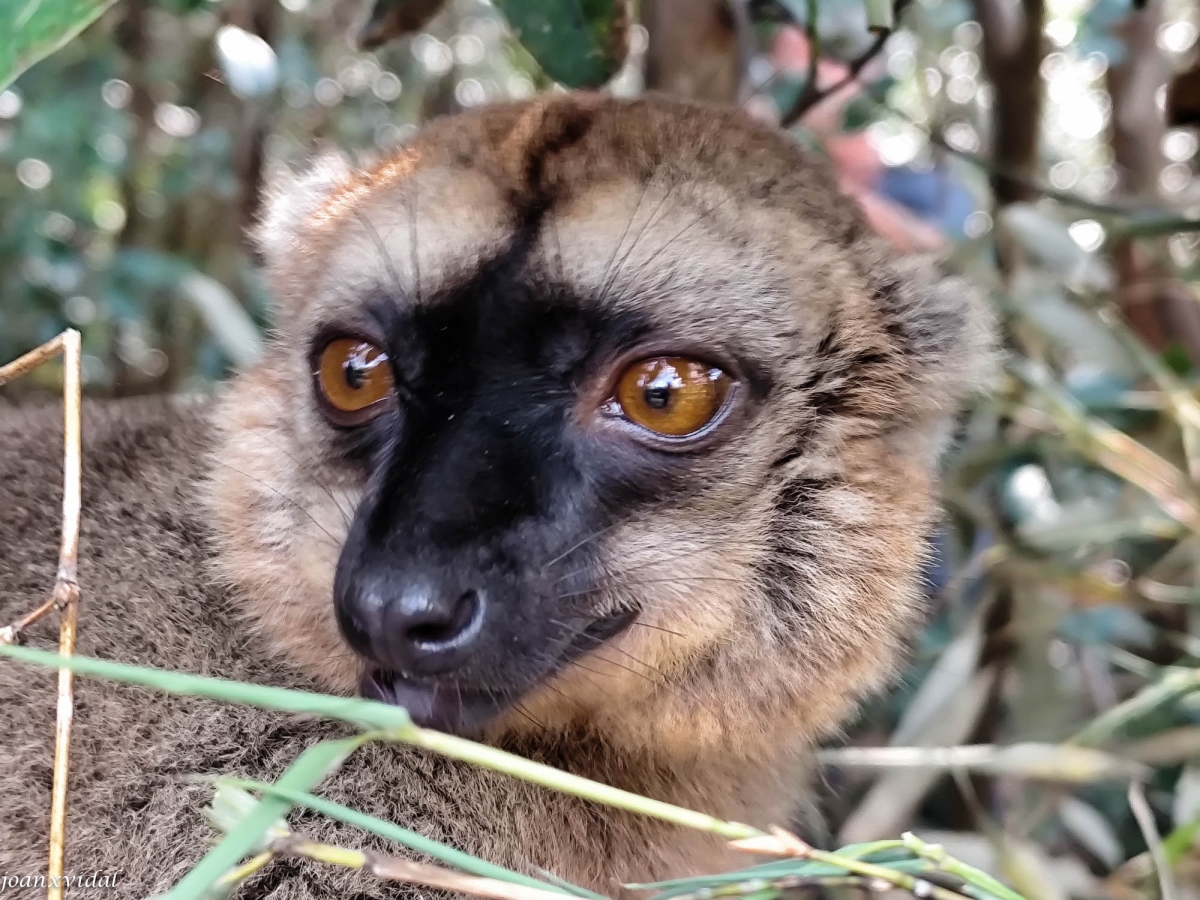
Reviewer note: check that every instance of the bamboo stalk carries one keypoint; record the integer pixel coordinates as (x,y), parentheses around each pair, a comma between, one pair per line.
(66,586)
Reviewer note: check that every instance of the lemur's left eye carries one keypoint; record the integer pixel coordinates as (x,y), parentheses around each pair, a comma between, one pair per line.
(671,396)
(355,380)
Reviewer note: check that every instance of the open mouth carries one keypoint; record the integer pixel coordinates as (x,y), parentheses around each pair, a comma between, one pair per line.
(464,710)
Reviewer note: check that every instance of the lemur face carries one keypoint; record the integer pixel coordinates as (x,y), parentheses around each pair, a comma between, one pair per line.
(504,425)
(587,411)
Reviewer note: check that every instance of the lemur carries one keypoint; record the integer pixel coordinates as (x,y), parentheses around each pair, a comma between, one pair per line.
(601,430)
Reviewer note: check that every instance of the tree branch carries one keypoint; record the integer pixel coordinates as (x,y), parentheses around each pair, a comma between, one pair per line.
(810,95)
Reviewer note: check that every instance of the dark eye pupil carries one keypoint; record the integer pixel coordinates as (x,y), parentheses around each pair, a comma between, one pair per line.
(658,397)
(355,375)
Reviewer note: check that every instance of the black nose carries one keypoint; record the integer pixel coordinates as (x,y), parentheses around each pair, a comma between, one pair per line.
(417,627)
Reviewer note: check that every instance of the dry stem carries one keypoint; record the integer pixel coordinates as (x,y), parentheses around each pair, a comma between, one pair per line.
(407,871)
(66,587)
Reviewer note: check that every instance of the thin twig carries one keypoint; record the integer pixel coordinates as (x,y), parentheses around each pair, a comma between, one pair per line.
(1145,819)
(66,585)
(66,592)
(224,862)
(11,634)
(1119,206)
(32,359)
(810,95)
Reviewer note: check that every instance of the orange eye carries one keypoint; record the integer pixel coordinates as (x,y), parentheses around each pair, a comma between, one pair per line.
(355,379)
(672,396)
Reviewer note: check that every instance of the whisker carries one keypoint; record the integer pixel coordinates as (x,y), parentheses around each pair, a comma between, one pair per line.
(283,496)
(617,583)
(611,276)
(347,515)
(602,642)
(549,686)
(658,628)
(703,548)
(381,249)
(589,538)
(578,665)
(612,662)
(608,267)
(524,713)
(701,147)
(413,238)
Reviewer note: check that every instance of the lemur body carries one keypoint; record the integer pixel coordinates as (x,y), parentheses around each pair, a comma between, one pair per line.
(600,429)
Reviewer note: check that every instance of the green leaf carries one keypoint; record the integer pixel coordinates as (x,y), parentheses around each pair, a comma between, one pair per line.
(578,43)
(309,769)
(971,875)
(32,29)
(393,18)
(1181,840)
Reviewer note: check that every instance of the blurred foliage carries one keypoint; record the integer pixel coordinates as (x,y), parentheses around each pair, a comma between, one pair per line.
(1065,587)
(135,156)
(580,43)
(29,31)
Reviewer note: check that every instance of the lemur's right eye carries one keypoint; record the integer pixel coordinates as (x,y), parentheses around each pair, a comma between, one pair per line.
(354,379)
(671,397)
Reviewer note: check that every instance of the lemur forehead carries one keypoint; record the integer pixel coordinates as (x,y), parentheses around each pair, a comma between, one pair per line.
(616,245)
(356,187)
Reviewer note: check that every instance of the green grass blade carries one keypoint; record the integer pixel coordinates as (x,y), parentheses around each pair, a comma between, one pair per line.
(547,776)
(439,851)
(363,713)
(969,874)
(304,774)
(767,872)
(399,727)
(862,851)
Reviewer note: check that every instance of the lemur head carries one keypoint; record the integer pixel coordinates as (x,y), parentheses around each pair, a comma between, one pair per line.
(592,413)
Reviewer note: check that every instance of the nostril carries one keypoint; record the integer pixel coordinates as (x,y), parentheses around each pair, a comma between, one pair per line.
(449,624)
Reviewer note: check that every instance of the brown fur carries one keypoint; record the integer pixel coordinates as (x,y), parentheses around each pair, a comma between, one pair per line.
(773,598)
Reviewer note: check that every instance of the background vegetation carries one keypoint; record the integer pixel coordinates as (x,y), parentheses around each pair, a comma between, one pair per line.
(1027,139)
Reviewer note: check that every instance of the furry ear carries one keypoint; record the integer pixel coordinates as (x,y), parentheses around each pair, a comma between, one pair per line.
(944,326)
(290,197)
